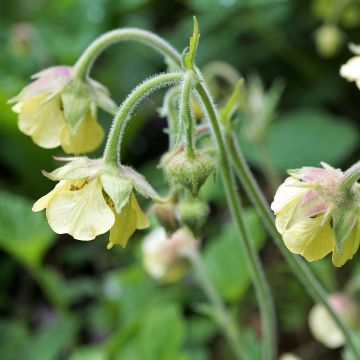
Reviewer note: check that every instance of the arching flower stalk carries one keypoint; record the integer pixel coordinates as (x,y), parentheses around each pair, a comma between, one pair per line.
(59,109)
(92,198)
(317,212)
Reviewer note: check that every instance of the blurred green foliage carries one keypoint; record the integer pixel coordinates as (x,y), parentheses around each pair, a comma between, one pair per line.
(63,299)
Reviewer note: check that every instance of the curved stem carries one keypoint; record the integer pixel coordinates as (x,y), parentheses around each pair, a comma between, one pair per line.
(297,265)
(85,62)
(112,149)
(223,317)
(185,112)
(261,287)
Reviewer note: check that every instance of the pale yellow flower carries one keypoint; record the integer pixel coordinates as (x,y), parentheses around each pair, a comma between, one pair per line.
(163,255)
(306,206)
(93,198)
(323,327)
(58,110)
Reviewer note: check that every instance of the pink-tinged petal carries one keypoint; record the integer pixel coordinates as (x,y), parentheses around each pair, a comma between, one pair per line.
(47,82)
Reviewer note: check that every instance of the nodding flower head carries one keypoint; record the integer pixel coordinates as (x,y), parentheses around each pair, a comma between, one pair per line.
(316,214)
(59,109)
(92,198)
(323,327)
(164,256)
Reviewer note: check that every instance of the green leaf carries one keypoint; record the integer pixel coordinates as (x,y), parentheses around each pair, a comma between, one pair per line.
(23,233)
(305,137)
(13,337)
(225,261)
(159,335)
(189,56)
(50,342)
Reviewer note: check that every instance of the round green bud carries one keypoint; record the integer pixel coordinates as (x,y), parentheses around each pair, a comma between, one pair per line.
(193,214)
(190,172)
(166,215)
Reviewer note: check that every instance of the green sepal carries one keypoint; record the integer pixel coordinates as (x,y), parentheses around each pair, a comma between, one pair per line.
(76,99)
(141,185)
(343,222)
(189,56)
(118,188)
(76,168)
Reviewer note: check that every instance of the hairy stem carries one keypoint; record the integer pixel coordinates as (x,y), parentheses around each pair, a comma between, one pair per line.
(112,149)
(185,115)
(260,284)
(87,59)
(223,317)
(297,265)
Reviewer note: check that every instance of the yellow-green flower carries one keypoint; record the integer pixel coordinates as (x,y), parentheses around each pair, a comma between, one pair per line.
(57,109)
(314,217)
(92,198)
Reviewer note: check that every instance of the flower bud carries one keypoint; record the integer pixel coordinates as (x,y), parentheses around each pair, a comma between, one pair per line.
(163,257)
(190,172)
(193,214)
(165,214)
(322,326)
(328,39)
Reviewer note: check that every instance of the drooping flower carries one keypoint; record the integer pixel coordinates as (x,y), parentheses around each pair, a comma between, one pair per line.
(57,109)
(323,327)
(316,216)
(163,256)
(92,198)
(351,70)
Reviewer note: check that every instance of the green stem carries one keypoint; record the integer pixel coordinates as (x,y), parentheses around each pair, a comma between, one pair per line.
(297,265)
(223,317)
(185,112)
(170,110)
(85,62)
(261,287)
(112,149)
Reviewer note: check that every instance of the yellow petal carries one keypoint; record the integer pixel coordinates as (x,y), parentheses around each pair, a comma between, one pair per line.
(44,122)
(87,138)
(83,213)
(287,195)
(350,247)
(130,218)
(142,220)
(309,239)
(124,227)
(43,202)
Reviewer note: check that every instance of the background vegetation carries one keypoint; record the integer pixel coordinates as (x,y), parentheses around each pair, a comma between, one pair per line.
(64,299)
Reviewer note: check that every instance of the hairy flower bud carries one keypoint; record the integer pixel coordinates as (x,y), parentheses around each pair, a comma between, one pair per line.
(193,214)
(190,172)
(166,215)
(322,325)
